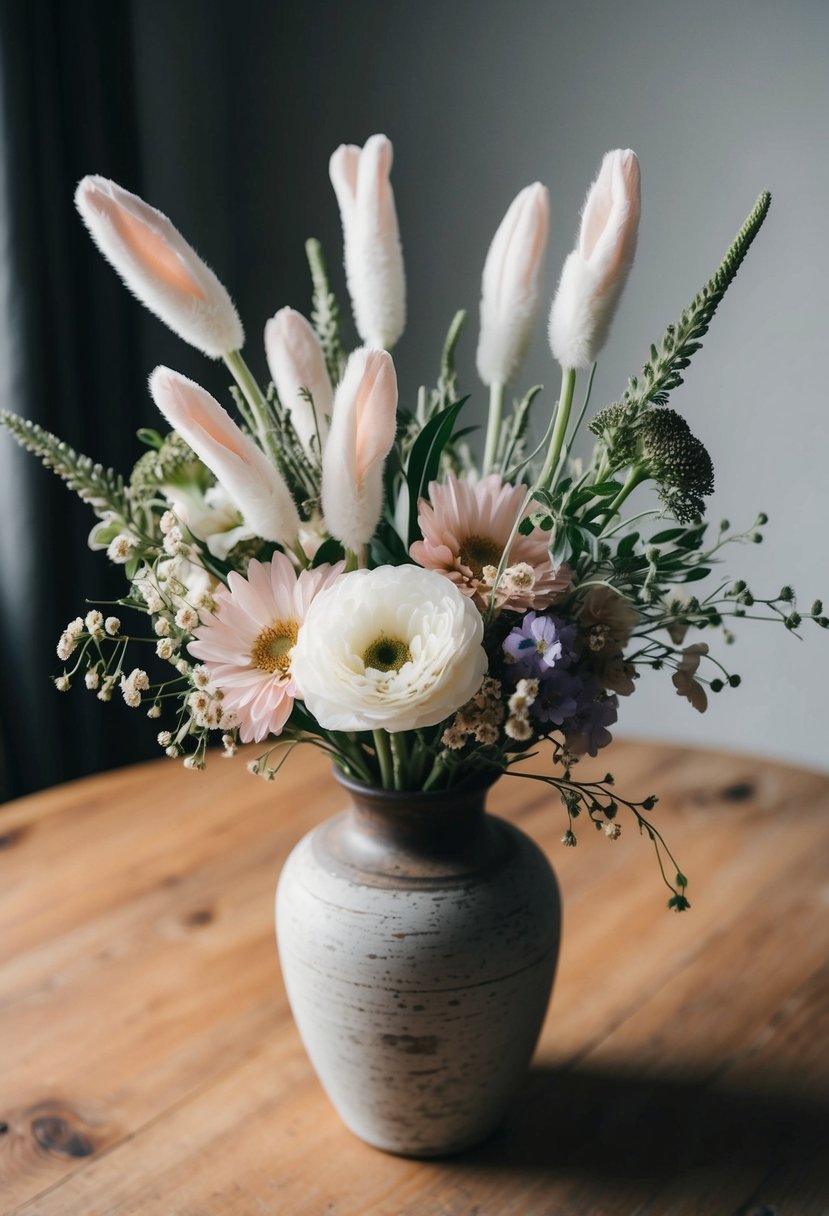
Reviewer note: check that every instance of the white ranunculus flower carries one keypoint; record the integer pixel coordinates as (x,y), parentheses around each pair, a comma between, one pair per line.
(395,648)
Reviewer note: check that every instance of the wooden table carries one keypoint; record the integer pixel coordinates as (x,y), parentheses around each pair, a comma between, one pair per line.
(150,1065)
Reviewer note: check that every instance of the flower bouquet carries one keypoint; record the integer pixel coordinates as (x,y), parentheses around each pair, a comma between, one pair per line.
(341,568)
(335,567)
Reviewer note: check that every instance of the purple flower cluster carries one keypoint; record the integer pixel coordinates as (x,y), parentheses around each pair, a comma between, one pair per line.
(543,648)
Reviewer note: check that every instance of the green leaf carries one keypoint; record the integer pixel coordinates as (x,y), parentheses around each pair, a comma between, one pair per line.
(387,549)
(662,538)
(424,458)
(329,551)
(604,489)
(150,437)
(696,573)
(627,544)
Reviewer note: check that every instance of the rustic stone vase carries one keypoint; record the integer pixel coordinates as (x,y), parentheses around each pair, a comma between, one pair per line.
(418,937)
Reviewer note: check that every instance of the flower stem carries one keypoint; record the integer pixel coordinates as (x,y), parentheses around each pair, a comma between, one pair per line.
(382,748)
(435,775)
(251,392)
(400,760)
(636,475)
(565,404)
(493,426)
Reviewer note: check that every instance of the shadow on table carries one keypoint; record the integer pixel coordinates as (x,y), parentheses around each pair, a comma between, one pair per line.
(617,1125)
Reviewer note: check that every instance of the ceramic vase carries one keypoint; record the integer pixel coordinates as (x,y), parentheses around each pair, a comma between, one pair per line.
(418,937)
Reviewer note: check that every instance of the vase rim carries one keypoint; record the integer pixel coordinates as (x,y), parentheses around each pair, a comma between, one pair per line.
(405,796)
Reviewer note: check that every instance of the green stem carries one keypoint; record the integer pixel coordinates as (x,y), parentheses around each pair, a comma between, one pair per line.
(384,758)
(493,426)
(252,393)
(635,477)
(435,775)
(400,760)
(565,404)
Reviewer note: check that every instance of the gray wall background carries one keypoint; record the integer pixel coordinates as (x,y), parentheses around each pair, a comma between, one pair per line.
(237,107)
(719,101)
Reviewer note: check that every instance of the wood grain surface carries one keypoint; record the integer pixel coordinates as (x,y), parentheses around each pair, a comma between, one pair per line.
(149,1065)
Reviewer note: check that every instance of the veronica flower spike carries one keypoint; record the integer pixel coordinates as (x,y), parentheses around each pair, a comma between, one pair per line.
(509,299)
(296,363)
(249,478)
(373,257)
(362,432)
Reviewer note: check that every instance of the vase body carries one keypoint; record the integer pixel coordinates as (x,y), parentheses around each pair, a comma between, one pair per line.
(418,938)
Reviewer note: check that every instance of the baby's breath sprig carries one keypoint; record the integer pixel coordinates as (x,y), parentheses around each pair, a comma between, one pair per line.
(600,802)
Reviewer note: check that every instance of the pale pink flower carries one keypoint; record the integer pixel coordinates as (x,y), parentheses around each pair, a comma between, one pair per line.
(373,257)
(684,677)
(362,432)
(247,643)
(296,362)
(254,485)
(466,527)
(594,274)
(510,285)
(159,267)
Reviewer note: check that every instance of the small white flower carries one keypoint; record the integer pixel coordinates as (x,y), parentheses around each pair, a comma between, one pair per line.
(187,618)
(161,628)
(92,679)
(94,621)
(229,744)
(139,679)
(182,666)
(520,577)
(201,676)
(75,628)
(193,762)
(164,738)
(518,728)
(62,683)
(120,549)
(173,542)
(112,625)
(395,648)
(172,750)
(154,711)
(164,648)
(66,646)
(198,701)
(167,522)
(613,830)
(105,691)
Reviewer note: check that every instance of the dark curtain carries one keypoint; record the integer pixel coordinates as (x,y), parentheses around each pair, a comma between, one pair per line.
(199,107)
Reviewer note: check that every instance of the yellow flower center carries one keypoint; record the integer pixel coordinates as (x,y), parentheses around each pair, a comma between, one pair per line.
(272,648)
(386,654)
(477,552)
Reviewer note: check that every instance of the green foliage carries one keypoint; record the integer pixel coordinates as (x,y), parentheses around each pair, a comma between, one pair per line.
(172,463)
(424,459)
(325,312)
(101,488)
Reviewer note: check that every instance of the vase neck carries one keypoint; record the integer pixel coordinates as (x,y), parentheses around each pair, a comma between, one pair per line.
(411,837)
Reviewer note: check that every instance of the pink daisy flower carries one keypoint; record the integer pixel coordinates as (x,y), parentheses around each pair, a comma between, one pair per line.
(465,529)
(246,644)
